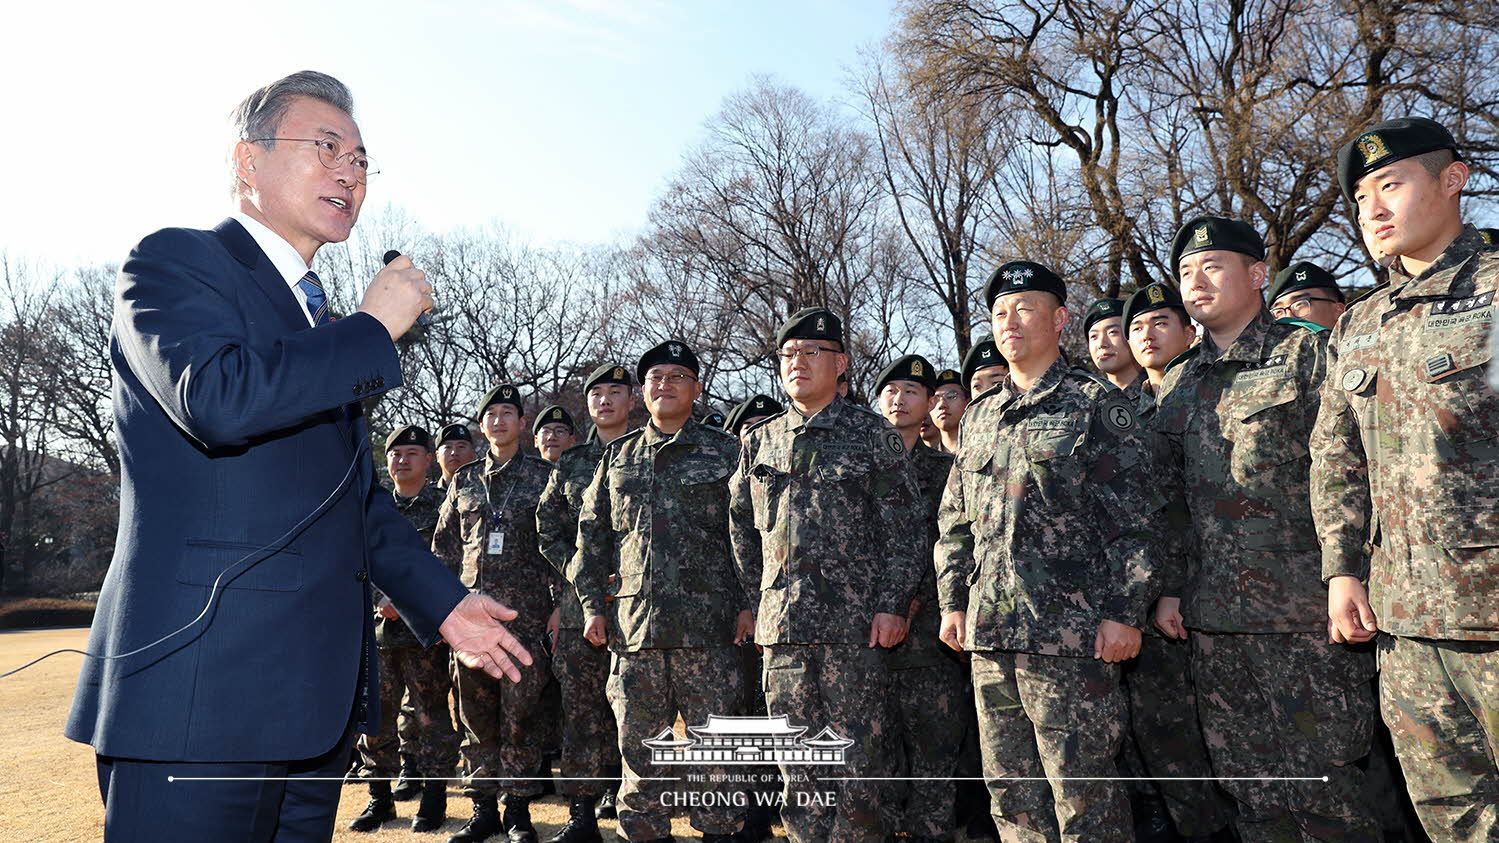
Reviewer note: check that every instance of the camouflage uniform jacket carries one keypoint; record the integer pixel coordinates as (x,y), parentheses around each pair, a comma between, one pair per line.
(826,522)
(1174,561)
(1047,520)
(557,519)
(483,498)
(657,514)
(421,511)
(1237,423)
(922,646)
(1405,472)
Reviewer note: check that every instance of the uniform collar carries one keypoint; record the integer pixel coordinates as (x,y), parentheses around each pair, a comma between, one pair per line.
(1437,279)
(1248,347)
(827,417)
(1041,389)
(653,437)
(491,468)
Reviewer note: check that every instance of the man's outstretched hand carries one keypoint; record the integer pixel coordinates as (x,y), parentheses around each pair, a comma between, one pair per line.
(480,641)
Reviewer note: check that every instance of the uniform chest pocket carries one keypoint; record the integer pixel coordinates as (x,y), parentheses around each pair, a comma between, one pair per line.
(1266,427)
(629,496)
(1052,462)
(698,472)
(1457,380)
(768,486)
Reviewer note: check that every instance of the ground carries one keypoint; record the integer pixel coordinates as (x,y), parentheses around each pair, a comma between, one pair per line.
(48,790)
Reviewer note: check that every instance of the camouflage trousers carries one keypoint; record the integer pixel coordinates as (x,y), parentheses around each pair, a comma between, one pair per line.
(845,688)
(1288,706)
(502,728)
(1441,702)
(1163,725)
(590,741)
(429,745)
(648,689)
(1052,717)
(929,708)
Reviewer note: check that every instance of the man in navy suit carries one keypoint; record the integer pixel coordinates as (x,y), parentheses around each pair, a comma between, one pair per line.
(243,447)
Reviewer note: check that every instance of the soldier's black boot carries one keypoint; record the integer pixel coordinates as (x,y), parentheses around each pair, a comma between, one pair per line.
(433,810)
(605,809)
(581,826)
(406,788)
(485,822)
(382,809)
(517,820)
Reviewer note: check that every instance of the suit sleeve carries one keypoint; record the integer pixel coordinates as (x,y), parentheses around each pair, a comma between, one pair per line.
(185,338)
(422,588)
(1341,505)
(594,560)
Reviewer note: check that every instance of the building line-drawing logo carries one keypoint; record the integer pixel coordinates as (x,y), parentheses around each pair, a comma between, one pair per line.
(748,740)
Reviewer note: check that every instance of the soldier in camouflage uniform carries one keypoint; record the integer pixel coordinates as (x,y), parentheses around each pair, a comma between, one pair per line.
(655,518)
(455,449)
(590,744)
(1044,570)
(928,681)
(407,667)
(554,432)
(947,414)
(826,521)
(983,367)
(1108,344)
(1405,473)
(487,527)
(1275,699)
(1163,700)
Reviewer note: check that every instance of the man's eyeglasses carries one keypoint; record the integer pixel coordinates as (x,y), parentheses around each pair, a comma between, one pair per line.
(675,379)
(1297,308)
(332,155)
(949,395)
(809,353)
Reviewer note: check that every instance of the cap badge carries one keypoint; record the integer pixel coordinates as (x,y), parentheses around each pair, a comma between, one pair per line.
(1154,294)
(1201,235)
(822,323)
(619,373)
(916,367)
(1373,148)
(1301,275)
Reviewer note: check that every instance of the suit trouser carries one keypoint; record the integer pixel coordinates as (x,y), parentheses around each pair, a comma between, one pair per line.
(281,801)
(1441,702)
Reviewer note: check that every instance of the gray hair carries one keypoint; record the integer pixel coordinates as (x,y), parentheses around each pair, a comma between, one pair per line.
(259,115)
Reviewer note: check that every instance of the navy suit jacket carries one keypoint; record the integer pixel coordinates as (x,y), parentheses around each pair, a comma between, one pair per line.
(235,420)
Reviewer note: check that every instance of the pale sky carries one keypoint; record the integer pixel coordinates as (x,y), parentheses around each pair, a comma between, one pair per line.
(559,119)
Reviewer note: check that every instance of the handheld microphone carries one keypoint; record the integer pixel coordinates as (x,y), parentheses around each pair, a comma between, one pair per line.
(423,319)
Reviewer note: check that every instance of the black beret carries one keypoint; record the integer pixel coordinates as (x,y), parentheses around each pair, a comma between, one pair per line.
(411,434)
(1490,236)
(1103,309)
(608,373)
(1387,142)
(1202,234)
(912,367)
(1303,275)
(454,433)
(759,405)
(1152,296)
(1019,277)
(501,394)
(714,419)
(671,351)
(951,376)
(811,323)
(982,355)
(554,414)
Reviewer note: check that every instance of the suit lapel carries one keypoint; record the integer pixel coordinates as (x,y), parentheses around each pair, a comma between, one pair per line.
(245,250)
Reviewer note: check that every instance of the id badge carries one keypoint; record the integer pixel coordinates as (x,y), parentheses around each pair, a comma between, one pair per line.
(496,542)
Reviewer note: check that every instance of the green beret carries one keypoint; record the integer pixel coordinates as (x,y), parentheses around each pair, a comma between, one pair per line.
(811,323)
(1202,234)
(982,355)
(500,394)
(1019,277)
(759,405)
(1490,236)
(1152,296)
(671,351)
(411,434)
(714,419)
(951,376)
(608,373)
(554,414)
(1102,309)
(1303,275)
(454,433)
(1387,142)
(912,367)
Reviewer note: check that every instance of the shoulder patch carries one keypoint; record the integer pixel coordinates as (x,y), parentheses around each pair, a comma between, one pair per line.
(1117,414)
(1302,323)
(894,443)
(1183,357)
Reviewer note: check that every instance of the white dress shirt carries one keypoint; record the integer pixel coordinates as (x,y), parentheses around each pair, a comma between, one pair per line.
(287,260)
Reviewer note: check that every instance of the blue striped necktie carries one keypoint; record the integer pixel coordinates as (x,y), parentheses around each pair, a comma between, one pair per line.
(317,300)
